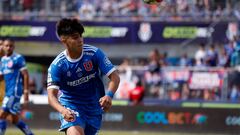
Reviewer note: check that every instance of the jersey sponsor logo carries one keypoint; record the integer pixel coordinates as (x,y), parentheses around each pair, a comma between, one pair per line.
(89,53)
(81,80)
(88,65)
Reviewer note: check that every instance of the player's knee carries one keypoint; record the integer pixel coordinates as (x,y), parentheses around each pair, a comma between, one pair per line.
(3,114)
(15,119)
(75,130)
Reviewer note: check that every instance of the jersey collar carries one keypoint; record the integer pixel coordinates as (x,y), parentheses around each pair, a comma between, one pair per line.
(70,59)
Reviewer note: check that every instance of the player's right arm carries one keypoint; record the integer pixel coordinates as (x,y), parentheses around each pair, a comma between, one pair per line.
(53,88)
(68,115)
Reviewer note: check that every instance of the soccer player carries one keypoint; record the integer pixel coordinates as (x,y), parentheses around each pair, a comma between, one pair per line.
(75,88)
(13,70)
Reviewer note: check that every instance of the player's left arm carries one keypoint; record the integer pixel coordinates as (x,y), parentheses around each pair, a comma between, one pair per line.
(25,74)
(25,85)
(108,69)
(106,101)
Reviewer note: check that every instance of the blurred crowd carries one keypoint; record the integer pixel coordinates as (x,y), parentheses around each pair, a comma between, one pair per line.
(146,77)
(212,74)
(168,10)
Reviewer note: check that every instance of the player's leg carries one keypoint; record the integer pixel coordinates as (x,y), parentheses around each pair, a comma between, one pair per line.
(75,127)
(93,124)
(14,107)
(21,125)
(75,130)
(4,112)
(90,130)
(3,122)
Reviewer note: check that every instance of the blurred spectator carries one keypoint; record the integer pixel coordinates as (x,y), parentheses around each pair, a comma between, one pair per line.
(27,4)
(223,58)
(136,95)
(127,82)
(152,75)
(87,11)
(174,94)
(211,57)
(163,59)
(217,14)
(229,47)
(235,57)
(200,55)
(185,61)
(196,94)
(207,95)
(185,92)
(234,94)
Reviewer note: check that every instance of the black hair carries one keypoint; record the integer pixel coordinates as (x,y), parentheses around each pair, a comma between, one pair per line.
(8,39)
(68,26)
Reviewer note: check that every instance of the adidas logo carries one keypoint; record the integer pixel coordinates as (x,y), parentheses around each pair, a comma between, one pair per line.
(78,70)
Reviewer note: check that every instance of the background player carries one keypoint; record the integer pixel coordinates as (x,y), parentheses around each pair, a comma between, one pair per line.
(14,72)
(76,73)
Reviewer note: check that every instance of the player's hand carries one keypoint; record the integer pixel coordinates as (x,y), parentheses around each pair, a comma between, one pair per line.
(68,115)
(106,103)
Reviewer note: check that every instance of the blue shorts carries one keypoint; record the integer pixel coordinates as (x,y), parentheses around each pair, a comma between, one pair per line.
(11,104)
(90,124)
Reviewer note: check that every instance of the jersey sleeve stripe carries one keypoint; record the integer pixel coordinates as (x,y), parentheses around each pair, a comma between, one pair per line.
(23,68)
(90,50)
(113,69)
(90,47)
(53,87)
(59,57)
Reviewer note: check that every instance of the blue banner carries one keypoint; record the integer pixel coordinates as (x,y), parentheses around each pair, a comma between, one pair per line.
(120,32)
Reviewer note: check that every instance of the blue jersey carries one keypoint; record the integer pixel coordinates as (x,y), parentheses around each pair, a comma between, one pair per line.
(11,68)
(79,80)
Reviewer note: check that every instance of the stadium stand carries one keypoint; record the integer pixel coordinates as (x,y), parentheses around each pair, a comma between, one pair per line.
(214,58)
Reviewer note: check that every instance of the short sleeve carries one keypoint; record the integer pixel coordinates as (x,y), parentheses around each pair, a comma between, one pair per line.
(105,65)
(53,80)
(21,63)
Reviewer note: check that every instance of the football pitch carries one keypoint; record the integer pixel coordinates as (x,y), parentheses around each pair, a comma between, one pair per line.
(55,132)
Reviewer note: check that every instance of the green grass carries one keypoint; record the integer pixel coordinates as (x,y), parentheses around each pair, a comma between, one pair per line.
(55,132)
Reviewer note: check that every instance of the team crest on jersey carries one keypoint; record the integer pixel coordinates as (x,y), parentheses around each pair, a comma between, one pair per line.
(88,65)
(10,64)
